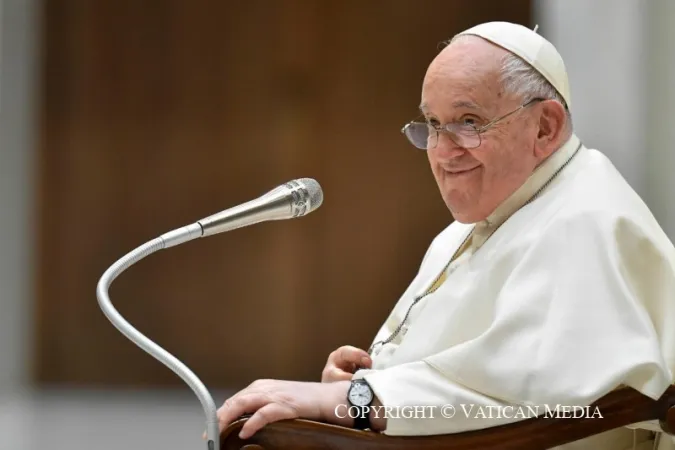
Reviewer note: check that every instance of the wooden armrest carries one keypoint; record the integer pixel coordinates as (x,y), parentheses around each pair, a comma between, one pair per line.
(619,408)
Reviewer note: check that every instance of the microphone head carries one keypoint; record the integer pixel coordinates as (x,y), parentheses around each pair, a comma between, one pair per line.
(307,195)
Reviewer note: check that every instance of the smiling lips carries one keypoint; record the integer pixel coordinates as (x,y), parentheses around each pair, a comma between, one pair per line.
(456,171)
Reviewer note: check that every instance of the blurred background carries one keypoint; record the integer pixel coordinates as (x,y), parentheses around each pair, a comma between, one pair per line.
(123,119)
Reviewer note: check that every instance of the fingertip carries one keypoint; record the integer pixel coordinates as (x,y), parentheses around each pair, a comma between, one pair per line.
(247,430)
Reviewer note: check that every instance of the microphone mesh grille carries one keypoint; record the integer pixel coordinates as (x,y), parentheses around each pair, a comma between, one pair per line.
(314,190)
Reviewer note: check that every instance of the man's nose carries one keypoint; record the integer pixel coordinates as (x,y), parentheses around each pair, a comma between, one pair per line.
(447,148)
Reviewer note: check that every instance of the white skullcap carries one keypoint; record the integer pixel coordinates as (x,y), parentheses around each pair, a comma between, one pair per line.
(531,47)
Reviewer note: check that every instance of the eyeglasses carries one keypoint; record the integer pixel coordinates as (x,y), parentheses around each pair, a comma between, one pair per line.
(424,135)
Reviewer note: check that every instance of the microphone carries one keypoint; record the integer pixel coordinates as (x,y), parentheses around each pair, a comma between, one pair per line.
(296,198)
(293,199)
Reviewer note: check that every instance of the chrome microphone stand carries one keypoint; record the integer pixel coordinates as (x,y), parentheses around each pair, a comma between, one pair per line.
(166,240)
(293,199)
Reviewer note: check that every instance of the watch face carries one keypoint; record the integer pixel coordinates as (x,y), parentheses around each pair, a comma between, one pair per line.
(360,394)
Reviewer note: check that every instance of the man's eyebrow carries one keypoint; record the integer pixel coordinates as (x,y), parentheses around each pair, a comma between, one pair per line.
(458,104)
(465,104)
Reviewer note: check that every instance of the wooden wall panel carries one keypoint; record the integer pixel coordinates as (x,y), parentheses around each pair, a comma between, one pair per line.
(158,113)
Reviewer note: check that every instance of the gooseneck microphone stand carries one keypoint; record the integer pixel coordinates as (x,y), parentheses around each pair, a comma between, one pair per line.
(293,199)
(180,369)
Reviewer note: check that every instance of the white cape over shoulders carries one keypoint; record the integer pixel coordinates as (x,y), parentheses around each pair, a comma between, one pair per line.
(572,297)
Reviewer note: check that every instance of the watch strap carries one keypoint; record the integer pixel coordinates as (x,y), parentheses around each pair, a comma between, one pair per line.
(362,419)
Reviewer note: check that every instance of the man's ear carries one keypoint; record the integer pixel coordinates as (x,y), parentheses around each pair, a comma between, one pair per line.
(551,129)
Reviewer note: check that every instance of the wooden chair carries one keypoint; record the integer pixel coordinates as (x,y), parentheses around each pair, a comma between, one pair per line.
(619,408)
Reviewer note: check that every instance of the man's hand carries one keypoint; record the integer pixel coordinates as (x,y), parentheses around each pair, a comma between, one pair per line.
(343,362)
(274,400)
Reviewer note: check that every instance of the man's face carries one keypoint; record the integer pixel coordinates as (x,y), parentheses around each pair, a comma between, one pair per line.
(462,85)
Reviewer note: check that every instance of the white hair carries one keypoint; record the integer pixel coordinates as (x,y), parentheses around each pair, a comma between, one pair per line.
(523,81)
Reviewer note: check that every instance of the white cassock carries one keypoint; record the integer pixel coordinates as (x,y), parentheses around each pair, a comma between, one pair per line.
(560,302)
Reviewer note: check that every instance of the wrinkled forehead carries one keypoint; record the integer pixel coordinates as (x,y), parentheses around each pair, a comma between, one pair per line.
(465,75)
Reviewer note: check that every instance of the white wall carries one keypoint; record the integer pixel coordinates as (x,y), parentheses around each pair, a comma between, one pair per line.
(660,179)
(17,137)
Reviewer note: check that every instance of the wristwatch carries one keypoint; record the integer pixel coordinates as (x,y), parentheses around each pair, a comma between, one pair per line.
(360,397)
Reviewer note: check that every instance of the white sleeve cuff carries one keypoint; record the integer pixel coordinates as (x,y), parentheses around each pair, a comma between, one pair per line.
(418,400)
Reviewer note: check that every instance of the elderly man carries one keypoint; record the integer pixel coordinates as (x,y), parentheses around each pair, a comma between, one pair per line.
(554,285)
